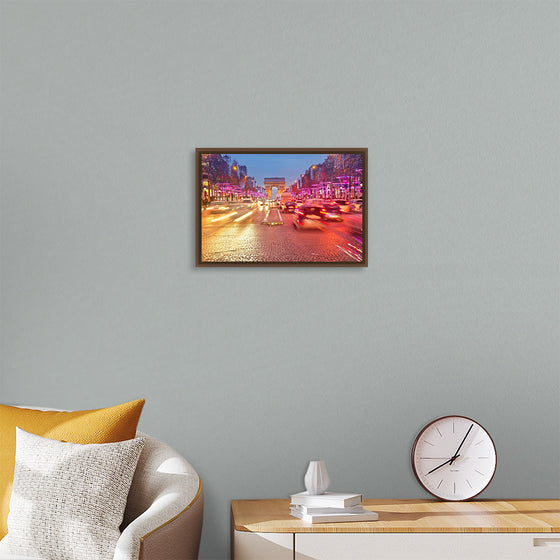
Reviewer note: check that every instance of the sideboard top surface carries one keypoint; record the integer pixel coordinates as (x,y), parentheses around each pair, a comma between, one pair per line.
(409,516)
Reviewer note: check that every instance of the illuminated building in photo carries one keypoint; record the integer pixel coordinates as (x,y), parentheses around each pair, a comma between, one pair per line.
(271,182)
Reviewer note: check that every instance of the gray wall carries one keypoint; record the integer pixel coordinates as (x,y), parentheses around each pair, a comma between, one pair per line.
(251,372)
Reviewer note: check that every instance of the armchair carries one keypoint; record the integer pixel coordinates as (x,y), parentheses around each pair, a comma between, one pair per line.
(163,516)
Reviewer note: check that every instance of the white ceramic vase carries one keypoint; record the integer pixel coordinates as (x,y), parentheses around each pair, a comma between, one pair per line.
(316,478)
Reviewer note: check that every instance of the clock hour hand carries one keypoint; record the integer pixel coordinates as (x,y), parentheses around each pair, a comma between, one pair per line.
(443,464)
(461,445)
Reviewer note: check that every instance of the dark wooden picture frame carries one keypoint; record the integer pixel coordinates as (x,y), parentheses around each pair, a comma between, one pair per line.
(318,197)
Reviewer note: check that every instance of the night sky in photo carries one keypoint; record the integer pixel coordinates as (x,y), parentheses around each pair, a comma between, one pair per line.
(289,166)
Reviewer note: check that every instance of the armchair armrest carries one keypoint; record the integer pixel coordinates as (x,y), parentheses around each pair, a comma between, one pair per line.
(178,538)
(163,517)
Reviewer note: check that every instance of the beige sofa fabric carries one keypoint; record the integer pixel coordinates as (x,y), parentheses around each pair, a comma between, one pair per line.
(177,540)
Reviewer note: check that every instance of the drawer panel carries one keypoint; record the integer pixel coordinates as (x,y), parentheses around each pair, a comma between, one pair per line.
(427,546)
(262,546)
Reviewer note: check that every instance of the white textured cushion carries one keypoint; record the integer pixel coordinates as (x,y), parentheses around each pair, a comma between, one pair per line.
(68,499)
(16,557)
(5,555)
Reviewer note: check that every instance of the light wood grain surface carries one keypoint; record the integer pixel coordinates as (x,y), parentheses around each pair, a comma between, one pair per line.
(409,516)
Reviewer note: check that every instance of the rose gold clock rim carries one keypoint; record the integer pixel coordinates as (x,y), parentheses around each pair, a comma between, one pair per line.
(423,430)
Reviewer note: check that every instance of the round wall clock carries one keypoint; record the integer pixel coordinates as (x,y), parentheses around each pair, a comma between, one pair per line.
(454,458)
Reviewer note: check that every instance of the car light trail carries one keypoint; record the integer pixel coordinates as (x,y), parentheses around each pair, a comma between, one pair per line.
(349,253)
(224,217)
(244,216)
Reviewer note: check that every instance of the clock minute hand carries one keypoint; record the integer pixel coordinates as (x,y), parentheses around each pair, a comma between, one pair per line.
(443,464)
(461,445)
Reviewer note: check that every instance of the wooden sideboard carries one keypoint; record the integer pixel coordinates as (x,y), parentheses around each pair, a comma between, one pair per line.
(406,529)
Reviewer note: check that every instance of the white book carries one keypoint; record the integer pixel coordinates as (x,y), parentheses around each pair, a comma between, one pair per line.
(311,510)
(364,515)
(328,499)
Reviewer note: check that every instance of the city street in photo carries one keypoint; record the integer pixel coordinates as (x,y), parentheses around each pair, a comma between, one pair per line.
(281,207)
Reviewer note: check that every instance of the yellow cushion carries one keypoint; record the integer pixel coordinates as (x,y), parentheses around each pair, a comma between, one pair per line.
(104,425)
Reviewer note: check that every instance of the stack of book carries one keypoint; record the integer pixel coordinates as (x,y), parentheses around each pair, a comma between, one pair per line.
(330,507)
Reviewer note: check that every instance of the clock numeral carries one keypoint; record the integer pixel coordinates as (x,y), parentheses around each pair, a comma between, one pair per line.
(468,482)
(482,474)
(440,483)
(429,443)
(479,442)
(438,432)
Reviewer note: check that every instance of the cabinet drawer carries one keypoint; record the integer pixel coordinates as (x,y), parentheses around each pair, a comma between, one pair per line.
(427,546)
(262,546)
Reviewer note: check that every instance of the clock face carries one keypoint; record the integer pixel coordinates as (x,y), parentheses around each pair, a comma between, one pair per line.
(454,458)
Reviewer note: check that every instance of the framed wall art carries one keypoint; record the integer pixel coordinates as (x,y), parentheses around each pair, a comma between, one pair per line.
(281,207)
